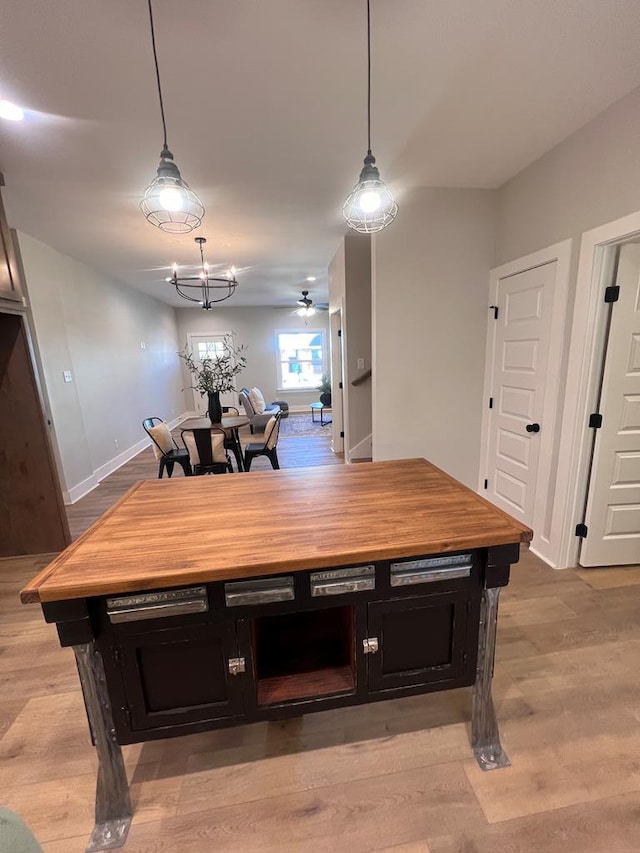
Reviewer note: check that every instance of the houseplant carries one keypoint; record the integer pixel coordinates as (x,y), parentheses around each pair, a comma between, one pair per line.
(325,388)
(213,375)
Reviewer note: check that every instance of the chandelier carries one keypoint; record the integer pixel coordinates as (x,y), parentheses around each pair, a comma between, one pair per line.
(204,284)
(370,207)
(169,203)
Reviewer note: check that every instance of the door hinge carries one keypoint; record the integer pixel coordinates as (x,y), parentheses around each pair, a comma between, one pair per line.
(339,333)
(612,293)
(491,402)
(339,384)
(341,434)
(126,713)
(117,656)
(595,420)
(486,484)
(582,530)
(495,311)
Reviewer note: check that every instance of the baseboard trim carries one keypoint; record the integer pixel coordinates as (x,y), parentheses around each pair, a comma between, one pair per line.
(75,493)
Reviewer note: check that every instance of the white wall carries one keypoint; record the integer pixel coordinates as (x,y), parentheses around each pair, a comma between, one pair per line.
(93,326)
(430,288)
(255,327)
(591,178)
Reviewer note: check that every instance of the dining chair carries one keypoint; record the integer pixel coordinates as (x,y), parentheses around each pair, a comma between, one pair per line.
(231,437)
(268,447)
(165,447)
(206,449)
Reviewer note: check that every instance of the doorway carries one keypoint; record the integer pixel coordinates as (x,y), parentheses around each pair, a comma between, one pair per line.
(30,494)
(203,346)
(611,533)
(521,398)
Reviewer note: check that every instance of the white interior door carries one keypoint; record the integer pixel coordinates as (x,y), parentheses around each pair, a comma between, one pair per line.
(518,386)
(209,345)
(613,502)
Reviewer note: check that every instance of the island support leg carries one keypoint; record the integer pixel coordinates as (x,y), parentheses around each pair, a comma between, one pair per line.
(485,737)
(113,803)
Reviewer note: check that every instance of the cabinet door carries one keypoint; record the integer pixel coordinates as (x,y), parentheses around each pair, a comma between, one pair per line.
(179,675)
(427,640)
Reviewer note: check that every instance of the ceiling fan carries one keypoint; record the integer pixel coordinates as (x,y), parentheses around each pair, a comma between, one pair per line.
(307,308)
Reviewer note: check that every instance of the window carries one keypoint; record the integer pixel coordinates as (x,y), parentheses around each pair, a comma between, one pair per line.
(209,349)
(301,359)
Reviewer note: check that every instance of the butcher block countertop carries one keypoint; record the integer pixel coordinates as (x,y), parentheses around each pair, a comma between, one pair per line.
(192,530)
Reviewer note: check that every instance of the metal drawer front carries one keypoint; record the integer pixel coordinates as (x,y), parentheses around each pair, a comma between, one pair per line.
(430,570)
(157,605)
(341,581)
(240,593)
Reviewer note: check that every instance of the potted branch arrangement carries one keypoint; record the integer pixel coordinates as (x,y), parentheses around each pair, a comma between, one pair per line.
(213,375)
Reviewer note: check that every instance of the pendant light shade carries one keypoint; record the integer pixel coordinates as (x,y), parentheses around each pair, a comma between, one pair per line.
(169,203)
(370,206)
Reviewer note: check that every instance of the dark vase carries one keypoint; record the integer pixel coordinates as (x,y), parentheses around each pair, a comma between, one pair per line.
(214,410)
(325,398)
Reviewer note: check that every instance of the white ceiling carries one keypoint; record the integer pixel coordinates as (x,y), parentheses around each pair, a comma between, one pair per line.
(265,104)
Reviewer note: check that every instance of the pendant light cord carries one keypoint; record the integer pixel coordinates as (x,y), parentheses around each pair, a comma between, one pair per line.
(155,62)
(368,75)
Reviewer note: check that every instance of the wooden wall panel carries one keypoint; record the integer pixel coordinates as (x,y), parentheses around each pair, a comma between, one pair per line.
(32,516)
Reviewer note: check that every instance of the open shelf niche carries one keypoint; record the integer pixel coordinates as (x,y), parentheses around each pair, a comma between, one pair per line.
(302,655)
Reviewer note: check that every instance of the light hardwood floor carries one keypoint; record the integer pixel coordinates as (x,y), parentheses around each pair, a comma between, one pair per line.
(395,775)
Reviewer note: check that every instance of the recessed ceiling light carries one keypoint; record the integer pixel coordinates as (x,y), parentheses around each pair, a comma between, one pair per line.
(311,278)
(11,111)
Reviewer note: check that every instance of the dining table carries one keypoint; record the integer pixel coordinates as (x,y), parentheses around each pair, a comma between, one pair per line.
(230,424)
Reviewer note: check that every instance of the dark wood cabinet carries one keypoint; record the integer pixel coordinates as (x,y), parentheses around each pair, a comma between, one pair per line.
(10,289)
(422,641)
(182,660)
(177,676)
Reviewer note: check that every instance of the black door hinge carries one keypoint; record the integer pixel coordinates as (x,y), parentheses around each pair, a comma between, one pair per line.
(341,434)
(339,384)
(595,420)
(582,530)
(495,311)
(126,713)
(339,333)
(486,484)
(491,402)
(612,293)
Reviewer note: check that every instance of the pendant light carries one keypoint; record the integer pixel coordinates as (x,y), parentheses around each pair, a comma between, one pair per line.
(169,203)
(370,206)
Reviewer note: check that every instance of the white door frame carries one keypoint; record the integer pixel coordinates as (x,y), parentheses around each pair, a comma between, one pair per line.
(337,370)
(586,351)
(542,544)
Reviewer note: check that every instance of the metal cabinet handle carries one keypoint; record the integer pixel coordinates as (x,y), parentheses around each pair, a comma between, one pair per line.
(532,427)
(370,645)
(236,666)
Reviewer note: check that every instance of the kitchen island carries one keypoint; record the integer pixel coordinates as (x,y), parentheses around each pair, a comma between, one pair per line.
(205,602)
